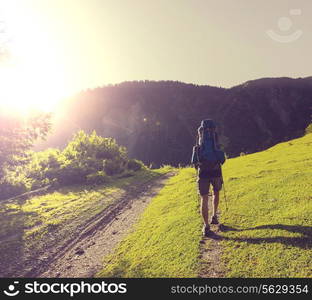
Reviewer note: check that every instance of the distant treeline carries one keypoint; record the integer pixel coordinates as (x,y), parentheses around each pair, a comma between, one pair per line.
(157,121)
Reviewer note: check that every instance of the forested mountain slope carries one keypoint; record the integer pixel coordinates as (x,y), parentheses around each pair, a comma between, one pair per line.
(157,121)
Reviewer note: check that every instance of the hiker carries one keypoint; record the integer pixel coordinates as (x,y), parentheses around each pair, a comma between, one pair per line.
(207,159)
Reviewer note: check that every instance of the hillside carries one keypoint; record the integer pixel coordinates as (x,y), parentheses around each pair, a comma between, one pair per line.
(267,227)
(157,121)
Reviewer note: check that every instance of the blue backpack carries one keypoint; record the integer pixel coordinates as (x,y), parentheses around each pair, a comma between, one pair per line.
(206,149)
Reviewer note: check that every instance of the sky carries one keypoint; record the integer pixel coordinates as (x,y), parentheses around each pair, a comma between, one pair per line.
(66,46)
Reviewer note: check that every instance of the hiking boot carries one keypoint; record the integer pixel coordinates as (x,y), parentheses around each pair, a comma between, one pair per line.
(214,220)
(206,230)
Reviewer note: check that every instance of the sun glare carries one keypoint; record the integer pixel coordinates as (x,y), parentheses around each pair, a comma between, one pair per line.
(24,90)
(33,76)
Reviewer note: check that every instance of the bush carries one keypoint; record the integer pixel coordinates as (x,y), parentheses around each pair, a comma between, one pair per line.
(44,167)
(135,165)
(94,153)
(87,159)
(11,189)
(93,148)
(72,174)
(114,166)
(97,178)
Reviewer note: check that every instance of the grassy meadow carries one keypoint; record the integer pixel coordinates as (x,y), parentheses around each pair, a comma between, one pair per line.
(268,221)
(270,211)
(165,241)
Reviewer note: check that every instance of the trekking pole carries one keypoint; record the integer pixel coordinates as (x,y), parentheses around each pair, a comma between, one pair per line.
(226,207)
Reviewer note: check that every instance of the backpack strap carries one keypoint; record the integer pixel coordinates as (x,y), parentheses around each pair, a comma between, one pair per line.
(214,141)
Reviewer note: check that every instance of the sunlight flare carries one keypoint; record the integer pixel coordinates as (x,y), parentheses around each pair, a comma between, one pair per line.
(28,89)
(33,75)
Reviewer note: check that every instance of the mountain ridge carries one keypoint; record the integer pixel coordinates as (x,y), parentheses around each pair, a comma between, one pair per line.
(157,120)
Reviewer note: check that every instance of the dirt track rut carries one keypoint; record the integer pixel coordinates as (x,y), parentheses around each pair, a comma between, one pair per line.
(83,256)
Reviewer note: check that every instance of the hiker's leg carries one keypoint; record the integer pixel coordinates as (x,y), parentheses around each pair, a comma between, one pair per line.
(215,202)
(204,209)
(203,190)
(217,186)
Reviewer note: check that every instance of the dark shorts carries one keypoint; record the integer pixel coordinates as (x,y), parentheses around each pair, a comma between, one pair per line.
(204,185)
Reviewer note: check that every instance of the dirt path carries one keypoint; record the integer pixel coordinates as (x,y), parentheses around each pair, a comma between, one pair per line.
(83,256)
(210,253)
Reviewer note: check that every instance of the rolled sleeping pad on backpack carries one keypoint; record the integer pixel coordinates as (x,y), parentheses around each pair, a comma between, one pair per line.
(208,123)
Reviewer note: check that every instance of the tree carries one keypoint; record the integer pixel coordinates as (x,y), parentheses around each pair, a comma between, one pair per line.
(17,136)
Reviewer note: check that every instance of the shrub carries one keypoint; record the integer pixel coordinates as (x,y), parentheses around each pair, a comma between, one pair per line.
(135,165)
(44,167)
(11,189)
(94,153)
(97,178)
(72,174)
(87,159)
(114,166)
(93,148)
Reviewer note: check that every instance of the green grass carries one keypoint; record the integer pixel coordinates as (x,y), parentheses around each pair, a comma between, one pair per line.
(30,226)
(164,243)
(269,217)
(270,211)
